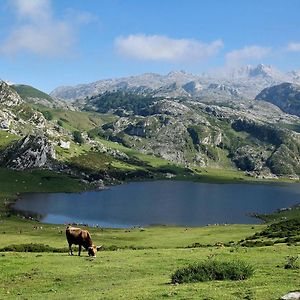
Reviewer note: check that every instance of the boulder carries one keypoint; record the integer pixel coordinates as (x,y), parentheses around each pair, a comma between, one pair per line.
(64,145)
(291,296)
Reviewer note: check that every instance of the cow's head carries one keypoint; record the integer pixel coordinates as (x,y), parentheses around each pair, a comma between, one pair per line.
(92,250)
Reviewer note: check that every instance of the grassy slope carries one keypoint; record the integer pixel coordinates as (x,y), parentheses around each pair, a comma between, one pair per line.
(6,138)
(27,91)
(77,120)
(201,174)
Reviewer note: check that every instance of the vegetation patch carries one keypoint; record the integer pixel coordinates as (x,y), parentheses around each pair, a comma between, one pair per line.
(121,100)
(213,270)
(281,214)
(287,231)
(32,247)
(37,247)
(26,91)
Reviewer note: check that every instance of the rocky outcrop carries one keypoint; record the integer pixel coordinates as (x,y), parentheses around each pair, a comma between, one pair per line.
(15,115)
(286,96)
(291,296)
(8,97)
(27,153)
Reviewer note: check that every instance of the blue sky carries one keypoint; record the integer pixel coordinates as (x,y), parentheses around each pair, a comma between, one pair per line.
(47,43)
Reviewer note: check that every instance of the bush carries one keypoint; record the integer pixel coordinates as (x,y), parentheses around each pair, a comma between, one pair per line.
(213,270)
(256,243)
(32,248)
(60,123)
(48,115)
(78,137)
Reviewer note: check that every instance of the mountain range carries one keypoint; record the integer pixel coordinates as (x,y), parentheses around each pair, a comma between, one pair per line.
(156,125)
(245,82)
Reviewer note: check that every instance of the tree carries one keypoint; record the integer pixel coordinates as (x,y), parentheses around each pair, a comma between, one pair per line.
(77,136)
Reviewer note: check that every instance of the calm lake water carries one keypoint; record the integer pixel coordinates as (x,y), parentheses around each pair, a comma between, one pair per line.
(161,202)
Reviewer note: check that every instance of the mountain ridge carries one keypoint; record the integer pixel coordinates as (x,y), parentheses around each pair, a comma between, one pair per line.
(247,80)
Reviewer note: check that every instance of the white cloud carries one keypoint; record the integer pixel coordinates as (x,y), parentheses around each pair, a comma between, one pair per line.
(34,9)
(293,47)
(38,31)
(162,48)
(248,53)
(53,39)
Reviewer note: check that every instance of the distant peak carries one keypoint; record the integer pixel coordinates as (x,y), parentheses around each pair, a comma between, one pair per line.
(179,72)
(263,70)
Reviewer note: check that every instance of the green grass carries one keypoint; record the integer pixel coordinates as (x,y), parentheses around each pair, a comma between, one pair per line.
(74,151)
(77,120)
(160,237)
(129,274)
(6,138)
(282,214)
(138,274)
(97,161)
(27,91)
(151,160)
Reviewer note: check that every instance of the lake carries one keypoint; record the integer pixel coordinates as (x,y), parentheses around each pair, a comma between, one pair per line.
(161,202)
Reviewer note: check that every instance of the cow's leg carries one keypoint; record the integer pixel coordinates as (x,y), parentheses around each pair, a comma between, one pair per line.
(79,250)
(70,249)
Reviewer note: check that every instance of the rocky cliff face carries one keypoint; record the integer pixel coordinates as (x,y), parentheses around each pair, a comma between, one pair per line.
(246,136)
(285,95)
(29,152)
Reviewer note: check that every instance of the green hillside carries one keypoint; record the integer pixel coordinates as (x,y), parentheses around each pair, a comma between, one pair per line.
(27,91)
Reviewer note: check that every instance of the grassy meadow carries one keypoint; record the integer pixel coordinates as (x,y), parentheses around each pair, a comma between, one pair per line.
(143,260)
(144,273)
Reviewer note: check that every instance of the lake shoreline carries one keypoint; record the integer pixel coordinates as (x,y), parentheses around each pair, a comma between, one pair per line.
(166,206)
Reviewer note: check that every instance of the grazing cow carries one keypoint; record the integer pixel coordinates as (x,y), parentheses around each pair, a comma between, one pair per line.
(81,238)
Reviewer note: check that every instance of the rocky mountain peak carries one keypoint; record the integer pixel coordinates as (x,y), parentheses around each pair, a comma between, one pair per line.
(262,70)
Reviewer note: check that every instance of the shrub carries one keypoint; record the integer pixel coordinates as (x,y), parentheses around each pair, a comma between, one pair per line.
(256,243)
(213,270)
(32,248)
(60,123)
(291,262)
(48,115)
(78,137)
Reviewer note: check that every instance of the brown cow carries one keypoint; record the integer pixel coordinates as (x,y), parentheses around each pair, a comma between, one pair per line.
(81,238)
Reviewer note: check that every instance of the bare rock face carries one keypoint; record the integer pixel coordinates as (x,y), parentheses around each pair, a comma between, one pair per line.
(8,97)
(30,152)
(286,96)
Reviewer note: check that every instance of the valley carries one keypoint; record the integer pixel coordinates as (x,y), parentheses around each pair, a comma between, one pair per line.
(180,128)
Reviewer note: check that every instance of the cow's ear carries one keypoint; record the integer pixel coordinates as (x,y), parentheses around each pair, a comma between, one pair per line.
(99,248)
